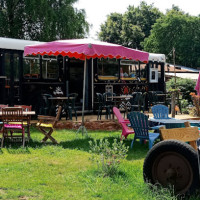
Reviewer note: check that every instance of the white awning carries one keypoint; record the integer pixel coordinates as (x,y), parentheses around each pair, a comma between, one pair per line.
(17,44)
(156,57)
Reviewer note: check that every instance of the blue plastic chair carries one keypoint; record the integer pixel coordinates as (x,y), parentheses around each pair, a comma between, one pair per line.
(139,123)
(160,112)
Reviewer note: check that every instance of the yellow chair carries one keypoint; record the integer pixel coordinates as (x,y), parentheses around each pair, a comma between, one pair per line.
(47,124)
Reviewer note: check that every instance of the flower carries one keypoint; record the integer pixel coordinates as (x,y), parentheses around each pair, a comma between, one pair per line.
(192,93)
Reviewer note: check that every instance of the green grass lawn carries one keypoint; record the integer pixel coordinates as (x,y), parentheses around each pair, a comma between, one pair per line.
(64,171)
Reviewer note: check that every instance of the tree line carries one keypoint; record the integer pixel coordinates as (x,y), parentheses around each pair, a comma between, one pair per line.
(146,28)
(143,27)
(42,20)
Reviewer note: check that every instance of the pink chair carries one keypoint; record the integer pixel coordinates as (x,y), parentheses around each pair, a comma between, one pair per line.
(125,130)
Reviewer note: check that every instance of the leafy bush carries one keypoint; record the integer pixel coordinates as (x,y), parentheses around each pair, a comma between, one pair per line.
(184,106)
(108,157)
(186,86)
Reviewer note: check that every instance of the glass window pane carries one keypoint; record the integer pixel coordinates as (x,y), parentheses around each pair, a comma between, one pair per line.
(76,69)
(31,67)
(108,69)
(50,68)
(129,69)
(143,71)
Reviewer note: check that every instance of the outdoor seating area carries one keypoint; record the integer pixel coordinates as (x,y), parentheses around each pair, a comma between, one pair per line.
(128,111)
(50,105)
(99,101)
(137,101)
(139,131)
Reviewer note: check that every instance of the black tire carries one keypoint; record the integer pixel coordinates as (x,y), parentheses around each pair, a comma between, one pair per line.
(172,162)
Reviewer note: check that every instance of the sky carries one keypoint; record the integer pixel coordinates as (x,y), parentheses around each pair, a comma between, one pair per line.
(97,10)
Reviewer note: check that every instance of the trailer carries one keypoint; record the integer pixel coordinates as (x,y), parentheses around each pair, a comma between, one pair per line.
(23,80)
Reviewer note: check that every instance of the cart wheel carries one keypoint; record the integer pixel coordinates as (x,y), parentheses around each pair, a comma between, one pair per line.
(172,162)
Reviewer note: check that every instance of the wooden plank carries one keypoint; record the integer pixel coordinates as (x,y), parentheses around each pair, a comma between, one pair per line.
(184,134)
(188,134)
(192,143)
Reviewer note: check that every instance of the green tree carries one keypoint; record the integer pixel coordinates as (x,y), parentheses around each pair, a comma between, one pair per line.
(132,36)
(179,30)
(111,30)
(137,23)
(186,86)
(43,20)
(132,27)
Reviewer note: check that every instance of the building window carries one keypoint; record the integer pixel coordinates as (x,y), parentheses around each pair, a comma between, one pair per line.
(108,69)
(31,67)
(129,70)
(50,67)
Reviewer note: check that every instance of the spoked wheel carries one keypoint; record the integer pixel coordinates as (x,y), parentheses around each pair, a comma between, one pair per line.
(175,163)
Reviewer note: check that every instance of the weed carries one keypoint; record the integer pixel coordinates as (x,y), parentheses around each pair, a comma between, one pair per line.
(108,157)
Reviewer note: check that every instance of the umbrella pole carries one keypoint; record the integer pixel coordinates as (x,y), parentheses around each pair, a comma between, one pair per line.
(82,127)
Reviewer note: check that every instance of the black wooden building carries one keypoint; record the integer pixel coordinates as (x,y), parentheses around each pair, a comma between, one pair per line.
(23,80)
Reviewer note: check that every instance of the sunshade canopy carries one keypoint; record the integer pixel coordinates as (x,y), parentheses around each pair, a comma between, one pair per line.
(85,49)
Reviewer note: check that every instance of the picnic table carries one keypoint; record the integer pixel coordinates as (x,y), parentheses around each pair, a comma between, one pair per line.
(173,123)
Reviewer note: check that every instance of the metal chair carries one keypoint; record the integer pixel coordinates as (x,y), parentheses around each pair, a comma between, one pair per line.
(139,123)
(152,98)
(137,101)
(108,103)
(102,106)
(46,106)
(71,105)
(12,115)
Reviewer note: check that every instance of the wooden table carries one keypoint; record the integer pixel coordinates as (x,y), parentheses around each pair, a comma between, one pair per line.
(60,101)
(27,117)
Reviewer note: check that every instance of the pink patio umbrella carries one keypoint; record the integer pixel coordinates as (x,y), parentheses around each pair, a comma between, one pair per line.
(84,49)
(197,88)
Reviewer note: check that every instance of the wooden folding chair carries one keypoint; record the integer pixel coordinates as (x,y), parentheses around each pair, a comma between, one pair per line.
(47,124)
(14,116)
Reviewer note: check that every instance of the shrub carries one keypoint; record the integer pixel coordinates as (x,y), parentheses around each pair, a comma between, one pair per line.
(185,86)
(108,156)
(184,106)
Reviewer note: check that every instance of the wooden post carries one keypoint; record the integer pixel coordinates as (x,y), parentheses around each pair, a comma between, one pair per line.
(192,143)
(160,129)
(187,124)
(173,104)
